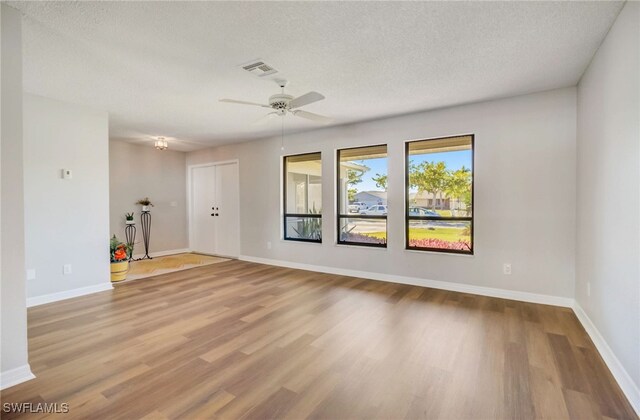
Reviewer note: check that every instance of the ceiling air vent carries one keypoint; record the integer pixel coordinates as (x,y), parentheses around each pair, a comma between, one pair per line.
(259,68)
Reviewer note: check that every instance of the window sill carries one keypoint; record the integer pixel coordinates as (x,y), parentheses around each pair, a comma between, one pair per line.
(380,248)
(448,254)
(293,241)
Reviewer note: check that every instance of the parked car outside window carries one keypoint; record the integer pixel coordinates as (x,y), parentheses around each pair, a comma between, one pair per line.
(422,211)
(376,210)
(356,207)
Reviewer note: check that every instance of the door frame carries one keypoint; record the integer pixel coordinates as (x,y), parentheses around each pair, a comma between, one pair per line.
(190,169)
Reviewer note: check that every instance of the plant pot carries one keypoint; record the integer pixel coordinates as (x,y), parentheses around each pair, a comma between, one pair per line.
(119,271)
(130,222)
(145,208)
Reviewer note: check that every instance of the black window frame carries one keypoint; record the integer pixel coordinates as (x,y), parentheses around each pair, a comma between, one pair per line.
(407,187)
(339,216)
(284,203)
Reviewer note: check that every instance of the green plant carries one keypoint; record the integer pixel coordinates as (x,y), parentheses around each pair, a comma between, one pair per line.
(380,180)
(353,177)
(310,228)
(119,250)
(458,187)
(430,177)
(128,216)
(144,202)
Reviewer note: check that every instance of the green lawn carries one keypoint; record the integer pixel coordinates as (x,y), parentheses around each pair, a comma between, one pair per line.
(443,233)
(444,213)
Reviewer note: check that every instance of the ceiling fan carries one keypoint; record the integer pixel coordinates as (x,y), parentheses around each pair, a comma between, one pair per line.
(281,103)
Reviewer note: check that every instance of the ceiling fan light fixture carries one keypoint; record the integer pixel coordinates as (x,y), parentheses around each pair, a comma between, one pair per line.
(283,104)
(161,143)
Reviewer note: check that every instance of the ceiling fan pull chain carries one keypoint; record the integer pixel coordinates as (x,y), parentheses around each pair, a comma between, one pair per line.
(282,134)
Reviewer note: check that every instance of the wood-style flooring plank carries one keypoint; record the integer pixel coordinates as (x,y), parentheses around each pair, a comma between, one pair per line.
(238,340)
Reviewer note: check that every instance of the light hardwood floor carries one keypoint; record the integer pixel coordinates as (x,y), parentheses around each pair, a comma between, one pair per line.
(243,340)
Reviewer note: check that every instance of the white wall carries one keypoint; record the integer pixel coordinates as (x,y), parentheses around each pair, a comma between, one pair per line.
(524,194)
(608,203)
(67,220)
(14,366)
(138,171)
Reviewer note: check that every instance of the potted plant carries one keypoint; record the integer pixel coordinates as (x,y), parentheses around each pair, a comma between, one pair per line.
(129,218)
(145,203)
(120,253)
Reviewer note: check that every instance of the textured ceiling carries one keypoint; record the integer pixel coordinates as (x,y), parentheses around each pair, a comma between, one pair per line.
(160,68)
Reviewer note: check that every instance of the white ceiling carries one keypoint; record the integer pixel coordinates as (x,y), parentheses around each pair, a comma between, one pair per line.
(160,68)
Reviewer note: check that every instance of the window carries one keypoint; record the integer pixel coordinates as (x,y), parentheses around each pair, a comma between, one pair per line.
(362,196)
(439,194)
(302,196)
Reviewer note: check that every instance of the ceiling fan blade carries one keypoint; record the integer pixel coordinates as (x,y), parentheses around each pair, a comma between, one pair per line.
(306,99)
(265,118)
(313,117)
(233,101)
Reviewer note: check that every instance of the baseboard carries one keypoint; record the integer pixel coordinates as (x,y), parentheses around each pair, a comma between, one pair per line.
(15,376)
(628,386)
(67,294)
(415,281)
(163,253)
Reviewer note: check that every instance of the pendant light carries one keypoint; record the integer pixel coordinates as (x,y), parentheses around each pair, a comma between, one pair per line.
(161,143)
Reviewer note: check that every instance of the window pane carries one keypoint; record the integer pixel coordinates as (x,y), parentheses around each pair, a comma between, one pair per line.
(309,228)
(440,175)
(366,231)
(362,180)
(303,189)
(440,234)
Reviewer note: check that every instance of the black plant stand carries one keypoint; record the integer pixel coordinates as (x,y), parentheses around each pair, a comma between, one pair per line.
(145,217)
(130,234)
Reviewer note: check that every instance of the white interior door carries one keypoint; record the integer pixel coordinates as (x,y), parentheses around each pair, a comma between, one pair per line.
(227,240)
(203,196)
(214,221)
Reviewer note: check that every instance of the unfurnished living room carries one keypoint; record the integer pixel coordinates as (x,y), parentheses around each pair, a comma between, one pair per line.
(323,210)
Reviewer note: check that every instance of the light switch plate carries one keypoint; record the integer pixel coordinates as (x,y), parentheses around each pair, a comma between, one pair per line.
(67,174)
(31,274)
(66,269)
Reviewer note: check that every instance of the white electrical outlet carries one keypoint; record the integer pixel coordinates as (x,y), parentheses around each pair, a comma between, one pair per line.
(506,268)
(268,245)
(588,288)
(66,269)
(31,274)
